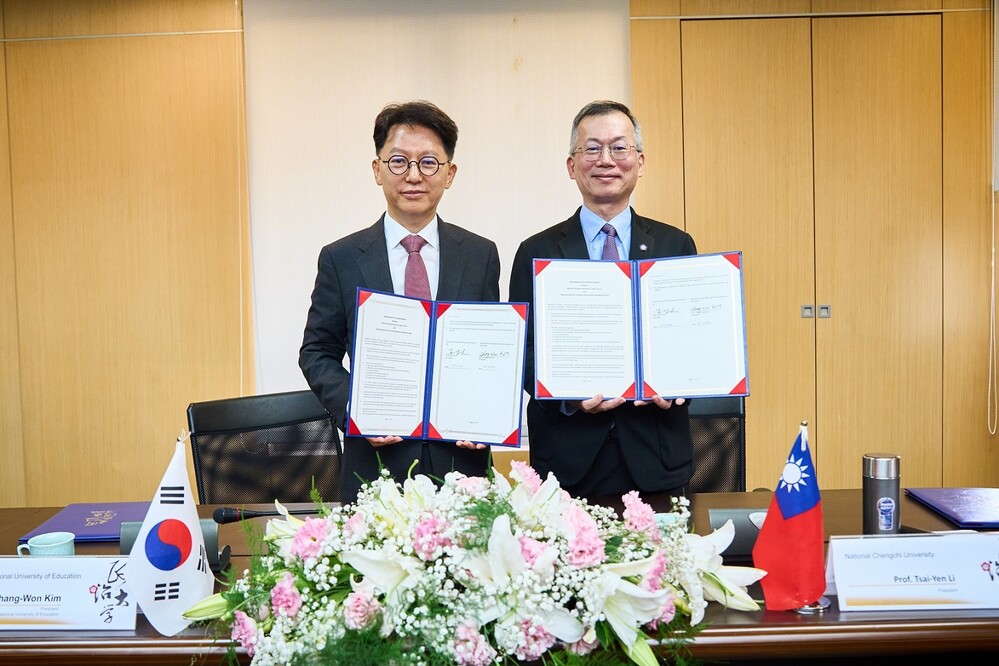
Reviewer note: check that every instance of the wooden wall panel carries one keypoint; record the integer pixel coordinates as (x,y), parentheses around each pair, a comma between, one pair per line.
(967,196)
(748,186)
(30,19)
(743,7)
(11,441)
(657,103)
(878,244)
(909,366)
(131,238)
(870,6)
(655,7)
(740,8)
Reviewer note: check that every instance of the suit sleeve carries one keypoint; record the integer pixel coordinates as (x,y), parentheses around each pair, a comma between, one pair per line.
(491,291)
(522,290)
(324,343)
(688,246)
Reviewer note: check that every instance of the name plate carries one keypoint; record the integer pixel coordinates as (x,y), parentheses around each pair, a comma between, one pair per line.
(957,570)
(81,592)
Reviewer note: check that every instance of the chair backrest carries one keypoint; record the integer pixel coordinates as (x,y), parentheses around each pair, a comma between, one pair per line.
(262,448)
(718,428)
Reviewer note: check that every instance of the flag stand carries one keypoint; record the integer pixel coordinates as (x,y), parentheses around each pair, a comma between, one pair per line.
(818,606)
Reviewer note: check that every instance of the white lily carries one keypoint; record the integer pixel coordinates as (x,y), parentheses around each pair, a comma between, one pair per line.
(543,507)
(282,532)
(387,508)
(724,584)
(500,483)
(388,570)
(419,492)
(626,606)
(503,561)
(208,608)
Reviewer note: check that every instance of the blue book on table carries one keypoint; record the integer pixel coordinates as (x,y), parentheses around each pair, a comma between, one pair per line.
(968,508)
(92,521)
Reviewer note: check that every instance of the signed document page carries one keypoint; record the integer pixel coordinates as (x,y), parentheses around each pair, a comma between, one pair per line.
(477,383)
(692,326)
(584,329)
(388,371)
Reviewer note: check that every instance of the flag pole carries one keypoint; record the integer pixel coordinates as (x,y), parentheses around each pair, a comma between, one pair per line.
(821,604)
(818,606)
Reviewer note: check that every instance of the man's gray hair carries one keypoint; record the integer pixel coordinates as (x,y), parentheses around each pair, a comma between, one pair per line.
(601,108)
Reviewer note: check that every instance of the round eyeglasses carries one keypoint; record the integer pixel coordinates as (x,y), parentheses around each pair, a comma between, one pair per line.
(618,151)
(428,165)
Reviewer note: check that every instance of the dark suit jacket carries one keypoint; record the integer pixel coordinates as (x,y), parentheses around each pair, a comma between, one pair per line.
(469,271)
(656,443)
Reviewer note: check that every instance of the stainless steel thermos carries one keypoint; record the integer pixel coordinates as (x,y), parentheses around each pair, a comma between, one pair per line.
(881,493)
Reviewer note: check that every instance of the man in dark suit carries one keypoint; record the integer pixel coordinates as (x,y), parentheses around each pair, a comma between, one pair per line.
(414,149)
(602,448)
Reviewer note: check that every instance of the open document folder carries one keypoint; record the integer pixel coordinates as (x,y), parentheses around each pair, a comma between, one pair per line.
(437,370)
(672,327)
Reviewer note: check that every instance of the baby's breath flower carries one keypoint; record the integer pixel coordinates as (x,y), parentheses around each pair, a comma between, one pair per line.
(476,571)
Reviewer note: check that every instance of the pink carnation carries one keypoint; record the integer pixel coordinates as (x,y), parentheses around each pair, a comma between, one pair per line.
(639,516)
(285,596)
(472,485)
(524,473)
(653,578)
(531,549)
(360,610)
(429,539)
(583,646)
(536,641)
(309,538)
(244,630)
(586,548)
(666,614)
(355,525)
(470,647)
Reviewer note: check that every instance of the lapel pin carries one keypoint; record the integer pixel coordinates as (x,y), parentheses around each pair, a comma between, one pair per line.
(643,247)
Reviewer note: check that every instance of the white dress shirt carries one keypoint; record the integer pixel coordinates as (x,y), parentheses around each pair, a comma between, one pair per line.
(398,256)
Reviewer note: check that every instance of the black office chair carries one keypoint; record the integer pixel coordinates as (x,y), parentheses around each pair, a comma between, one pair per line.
(262,448)
(718,428)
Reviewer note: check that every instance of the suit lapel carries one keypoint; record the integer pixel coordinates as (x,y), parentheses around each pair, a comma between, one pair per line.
(642,243)
(573,243)
(373,259)
(452,263)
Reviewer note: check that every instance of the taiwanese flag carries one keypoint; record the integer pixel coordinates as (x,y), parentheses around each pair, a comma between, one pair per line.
(790,544)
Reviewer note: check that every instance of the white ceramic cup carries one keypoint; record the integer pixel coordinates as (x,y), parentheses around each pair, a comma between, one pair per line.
(48,545)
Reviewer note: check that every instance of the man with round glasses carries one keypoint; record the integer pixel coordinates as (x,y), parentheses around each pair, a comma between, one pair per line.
(603,448)
(414,153)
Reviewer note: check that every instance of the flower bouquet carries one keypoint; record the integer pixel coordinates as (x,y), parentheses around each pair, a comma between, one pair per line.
(477,571)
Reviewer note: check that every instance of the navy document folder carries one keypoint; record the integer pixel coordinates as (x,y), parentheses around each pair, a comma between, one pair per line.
(968,508)
(99,521)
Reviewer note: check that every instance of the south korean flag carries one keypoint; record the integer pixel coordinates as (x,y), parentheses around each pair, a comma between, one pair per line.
(168,569)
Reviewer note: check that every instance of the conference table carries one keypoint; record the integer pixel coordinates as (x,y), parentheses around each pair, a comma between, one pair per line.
(746,638)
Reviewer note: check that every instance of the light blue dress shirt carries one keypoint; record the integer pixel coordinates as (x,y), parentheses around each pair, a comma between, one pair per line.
(592,225)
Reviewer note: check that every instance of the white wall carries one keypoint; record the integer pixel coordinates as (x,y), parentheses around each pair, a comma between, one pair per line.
(511,74)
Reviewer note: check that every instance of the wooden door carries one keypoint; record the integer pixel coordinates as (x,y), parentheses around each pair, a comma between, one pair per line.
(127,173)
(748,186)
(878,244)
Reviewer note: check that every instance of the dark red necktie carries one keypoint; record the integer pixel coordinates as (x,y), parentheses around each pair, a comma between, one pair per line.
(417,282)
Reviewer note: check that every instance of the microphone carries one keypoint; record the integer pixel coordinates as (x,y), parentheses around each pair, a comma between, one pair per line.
(228,514)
